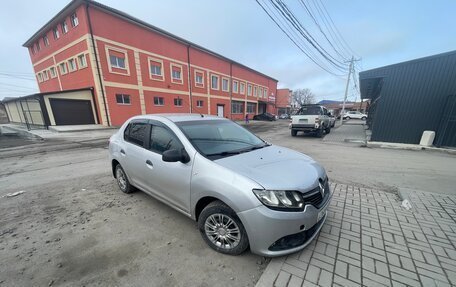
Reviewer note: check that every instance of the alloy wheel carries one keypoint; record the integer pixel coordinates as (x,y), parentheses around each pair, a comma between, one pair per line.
(222,231)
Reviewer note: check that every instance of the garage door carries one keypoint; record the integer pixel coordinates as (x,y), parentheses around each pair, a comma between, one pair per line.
(72,112)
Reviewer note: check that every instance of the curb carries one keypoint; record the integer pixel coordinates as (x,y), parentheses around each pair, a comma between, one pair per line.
(270,273)
(401,146)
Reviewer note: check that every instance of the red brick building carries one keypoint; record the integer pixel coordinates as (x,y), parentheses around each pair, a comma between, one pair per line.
(135,68)
(283,101)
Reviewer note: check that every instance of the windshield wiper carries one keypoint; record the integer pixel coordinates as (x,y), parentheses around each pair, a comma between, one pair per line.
(224,153)
(256,147)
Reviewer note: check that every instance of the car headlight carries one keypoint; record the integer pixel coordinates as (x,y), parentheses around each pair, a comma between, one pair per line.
(280,199)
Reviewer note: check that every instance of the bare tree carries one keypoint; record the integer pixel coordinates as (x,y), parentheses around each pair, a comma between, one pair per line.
(303,97)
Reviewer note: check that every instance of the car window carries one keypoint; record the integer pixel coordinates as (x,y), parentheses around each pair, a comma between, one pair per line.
(309,111)
(136,133)
(162,139)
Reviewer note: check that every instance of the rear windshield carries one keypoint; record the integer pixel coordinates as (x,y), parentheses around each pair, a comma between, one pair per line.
(309,111)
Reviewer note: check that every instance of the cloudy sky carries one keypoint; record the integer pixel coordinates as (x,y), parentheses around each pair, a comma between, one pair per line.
(379,32)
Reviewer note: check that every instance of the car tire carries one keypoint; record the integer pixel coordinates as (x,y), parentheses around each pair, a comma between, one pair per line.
(347,118)
(363,118)
(319,133)
(122,180)
(218,217)
(328,130)
(294,133)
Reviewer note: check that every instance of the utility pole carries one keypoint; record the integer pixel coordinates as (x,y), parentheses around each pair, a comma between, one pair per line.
(350,70)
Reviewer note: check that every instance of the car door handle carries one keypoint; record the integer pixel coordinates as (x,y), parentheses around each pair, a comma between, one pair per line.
(149,164)
(122,152)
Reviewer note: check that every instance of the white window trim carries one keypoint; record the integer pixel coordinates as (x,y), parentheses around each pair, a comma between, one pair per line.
(45,75)
(158,105)
(40,77)
(70,69)
(55,72)
(237,86)
(249,87)
(60,68)
(46,41)
(110,68)
(56,32)
(265,93)
(242,91)
(227,85)
(75,23)
(195,72)
(79,62)
(198,101)
(182,103)
(173,80)
(156,77)
(260,92)
(64,27)
(218,82)
(124,104)
(255,91)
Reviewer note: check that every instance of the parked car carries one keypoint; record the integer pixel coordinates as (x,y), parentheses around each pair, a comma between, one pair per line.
(311,118)
(265,117)
(284,116)
(242,191)
(354,115)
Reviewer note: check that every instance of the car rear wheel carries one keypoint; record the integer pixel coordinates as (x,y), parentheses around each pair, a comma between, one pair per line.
(294,133)
(222,230)
(122,180)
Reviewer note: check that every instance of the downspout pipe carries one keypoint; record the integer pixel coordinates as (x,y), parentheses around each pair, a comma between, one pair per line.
(103,96)
(190,82)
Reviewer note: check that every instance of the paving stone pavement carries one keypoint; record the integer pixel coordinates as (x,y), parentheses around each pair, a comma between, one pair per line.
(348,132)
(370,240)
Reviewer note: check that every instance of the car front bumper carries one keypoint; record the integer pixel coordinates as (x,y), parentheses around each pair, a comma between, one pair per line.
(275,233)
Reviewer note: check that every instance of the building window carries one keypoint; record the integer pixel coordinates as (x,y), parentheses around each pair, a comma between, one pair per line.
(176,73)
(178,102)
(237,107)
(45,75)
(159,101)
(117,62)
(235,86)
(255,91)
(74,20)
(249,90)
(82,62)
(38,48)
(155,69)
(64,27)
(242,88)
(123,99)
(40,77)
(32,49)
(199,78)
(199,103)
(52,71)
(225,86)
(214,82)
(46,41)
(260,92)
(72,65)
(63,68)
(56,33)
(251,108)
(265,93)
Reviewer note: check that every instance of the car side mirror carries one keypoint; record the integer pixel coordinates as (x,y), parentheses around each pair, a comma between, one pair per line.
(175,155)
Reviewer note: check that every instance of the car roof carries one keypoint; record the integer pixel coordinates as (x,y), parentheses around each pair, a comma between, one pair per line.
(180,117)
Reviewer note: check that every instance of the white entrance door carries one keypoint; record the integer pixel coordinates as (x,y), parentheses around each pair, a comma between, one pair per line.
(220,111)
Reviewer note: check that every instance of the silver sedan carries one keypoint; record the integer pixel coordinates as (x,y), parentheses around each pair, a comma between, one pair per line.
(242,191)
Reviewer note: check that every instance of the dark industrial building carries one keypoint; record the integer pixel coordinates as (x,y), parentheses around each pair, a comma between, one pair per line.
(411,97)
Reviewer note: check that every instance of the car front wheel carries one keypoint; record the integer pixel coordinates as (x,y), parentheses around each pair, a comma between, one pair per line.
(122,180)
(363,118)
(222,230)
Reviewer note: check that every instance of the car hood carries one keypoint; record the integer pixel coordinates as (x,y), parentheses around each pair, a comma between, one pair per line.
(275,167)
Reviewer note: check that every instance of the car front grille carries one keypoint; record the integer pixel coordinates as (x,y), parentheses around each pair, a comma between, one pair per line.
(315,198)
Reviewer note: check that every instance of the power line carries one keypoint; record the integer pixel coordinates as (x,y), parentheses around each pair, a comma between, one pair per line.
(17,77)
(294,42)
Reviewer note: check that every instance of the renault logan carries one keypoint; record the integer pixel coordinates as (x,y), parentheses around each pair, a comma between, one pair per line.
(242,191)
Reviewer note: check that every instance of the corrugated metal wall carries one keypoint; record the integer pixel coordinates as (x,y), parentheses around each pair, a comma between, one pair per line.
(412,98)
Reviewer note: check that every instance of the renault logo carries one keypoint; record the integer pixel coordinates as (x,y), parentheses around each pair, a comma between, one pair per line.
(322,189)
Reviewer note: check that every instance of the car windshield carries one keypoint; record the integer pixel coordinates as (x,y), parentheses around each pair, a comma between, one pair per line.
(309,111)
(220,138)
